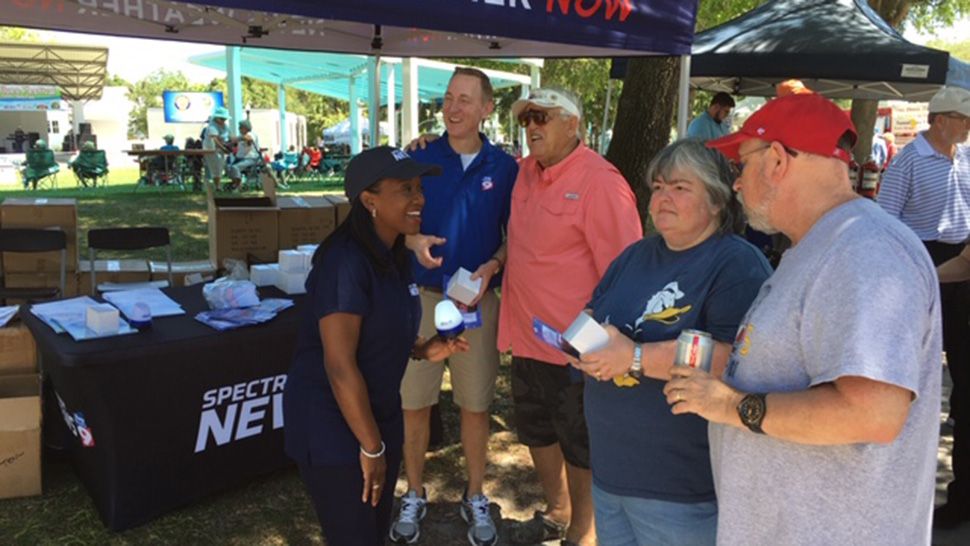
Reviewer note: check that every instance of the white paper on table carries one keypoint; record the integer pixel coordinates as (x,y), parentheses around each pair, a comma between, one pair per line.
(57,313)
(160,304)
(7,313)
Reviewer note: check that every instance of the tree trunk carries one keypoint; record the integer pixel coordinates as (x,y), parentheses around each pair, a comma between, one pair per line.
(864,118)
(864,111)
(644,118)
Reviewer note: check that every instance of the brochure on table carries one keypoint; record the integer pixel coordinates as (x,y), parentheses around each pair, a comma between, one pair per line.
(160,304)
(70,316)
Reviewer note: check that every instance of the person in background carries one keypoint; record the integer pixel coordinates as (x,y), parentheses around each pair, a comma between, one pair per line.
(652,482)
(247,153)
(891,148)
(169,145)
(927,187)
(713,122)
(342,403)
(217,139)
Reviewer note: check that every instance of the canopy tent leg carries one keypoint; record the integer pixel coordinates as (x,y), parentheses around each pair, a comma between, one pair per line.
(354,118)
(683,96)
(374,99)
(391,108)
(284,129)
(606,115)
(234,81)
(409,102)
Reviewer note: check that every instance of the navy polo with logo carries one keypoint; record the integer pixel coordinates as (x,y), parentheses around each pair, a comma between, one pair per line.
(469,207)
(345,281)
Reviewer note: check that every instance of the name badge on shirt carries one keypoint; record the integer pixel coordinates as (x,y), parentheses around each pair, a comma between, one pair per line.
(487,183)
(413,289)
(572,196)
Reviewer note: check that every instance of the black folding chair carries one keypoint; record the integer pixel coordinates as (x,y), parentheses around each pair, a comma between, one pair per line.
(32,241)
(136,238)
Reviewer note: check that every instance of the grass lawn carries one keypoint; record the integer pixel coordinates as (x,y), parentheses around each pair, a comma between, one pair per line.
(122,204)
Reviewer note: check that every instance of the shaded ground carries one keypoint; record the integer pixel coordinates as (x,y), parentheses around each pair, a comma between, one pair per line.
(276,511)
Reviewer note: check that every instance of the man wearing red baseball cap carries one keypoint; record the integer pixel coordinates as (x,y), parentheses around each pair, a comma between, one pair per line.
(824,426)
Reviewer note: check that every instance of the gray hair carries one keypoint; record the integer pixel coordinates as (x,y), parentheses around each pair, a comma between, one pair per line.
(712,169)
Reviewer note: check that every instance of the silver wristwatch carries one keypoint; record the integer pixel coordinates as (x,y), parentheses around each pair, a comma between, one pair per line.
(636,369)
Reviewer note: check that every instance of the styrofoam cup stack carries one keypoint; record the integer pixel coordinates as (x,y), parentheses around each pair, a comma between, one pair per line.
(294,261)
(264,274)
(462,288)
(586,335)
(102,319)
(294,267)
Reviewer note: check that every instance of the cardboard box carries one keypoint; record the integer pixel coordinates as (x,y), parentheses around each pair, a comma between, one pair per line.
(114,271)
(305,220)
(343,206)
(40,213)
(18,351)
(242,227)
(180,270)
(41,280)
(19,436)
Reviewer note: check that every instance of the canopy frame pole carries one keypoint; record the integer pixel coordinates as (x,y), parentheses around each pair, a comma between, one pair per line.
(391,107)
(354,118)
(683,96)
(284,129)
(374,99)
(234,82)
(606,116)
(409,102)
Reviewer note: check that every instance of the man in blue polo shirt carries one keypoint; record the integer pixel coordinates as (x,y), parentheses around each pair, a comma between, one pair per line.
(927,186)
(464,217)
(713,122)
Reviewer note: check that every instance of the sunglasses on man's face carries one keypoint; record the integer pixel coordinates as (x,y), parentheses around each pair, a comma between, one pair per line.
(540,117)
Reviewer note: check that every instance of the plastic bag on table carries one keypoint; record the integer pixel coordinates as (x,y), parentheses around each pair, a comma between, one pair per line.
(236,270)
(225,293)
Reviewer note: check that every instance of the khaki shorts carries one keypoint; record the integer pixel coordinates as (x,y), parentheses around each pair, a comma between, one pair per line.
(473,373)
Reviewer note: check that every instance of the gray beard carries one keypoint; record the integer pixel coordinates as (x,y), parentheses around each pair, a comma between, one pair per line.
(758,218)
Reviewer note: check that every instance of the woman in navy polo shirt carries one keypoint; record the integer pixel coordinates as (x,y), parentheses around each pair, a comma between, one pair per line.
(342,404)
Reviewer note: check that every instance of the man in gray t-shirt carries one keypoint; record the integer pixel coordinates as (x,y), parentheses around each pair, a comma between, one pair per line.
(824,429)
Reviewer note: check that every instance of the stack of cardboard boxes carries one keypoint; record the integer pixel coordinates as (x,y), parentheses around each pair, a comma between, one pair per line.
(255,229)
(36,270)
(19,414)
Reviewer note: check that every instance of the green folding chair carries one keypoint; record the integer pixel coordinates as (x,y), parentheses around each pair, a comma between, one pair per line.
(40,169)
(90,166)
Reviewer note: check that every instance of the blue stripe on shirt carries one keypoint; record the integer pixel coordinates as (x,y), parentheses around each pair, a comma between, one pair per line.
(928,192)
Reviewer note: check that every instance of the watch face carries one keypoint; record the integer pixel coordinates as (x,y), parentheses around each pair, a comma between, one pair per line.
(752,410)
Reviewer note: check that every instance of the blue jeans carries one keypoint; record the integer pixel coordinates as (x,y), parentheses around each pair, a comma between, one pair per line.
(633,521)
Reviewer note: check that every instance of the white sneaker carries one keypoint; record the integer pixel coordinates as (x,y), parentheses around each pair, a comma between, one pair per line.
(406,528)
(481,528)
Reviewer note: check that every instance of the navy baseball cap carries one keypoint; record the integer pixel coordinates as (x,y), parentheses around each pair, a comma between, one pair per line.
(375,164)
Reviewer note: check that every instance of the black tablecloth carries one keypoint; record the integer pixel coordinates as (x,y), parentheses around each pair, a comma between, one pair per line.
(171,414)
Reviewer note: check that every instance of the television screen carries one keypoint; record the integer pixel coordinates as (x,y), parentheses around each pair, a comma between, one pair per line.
(190,107)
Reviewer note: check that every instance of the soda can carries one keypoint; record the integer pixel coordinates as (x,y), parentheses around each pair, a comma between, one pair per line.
(694,350)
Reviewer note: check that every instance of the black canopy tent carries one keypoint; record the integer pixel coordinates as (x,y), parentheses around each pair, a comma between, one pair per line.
(840,48)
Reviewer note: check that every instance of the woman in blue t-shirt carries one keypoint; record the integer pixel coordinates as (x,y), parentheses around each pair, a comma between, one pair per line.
(342,404)
(652,480)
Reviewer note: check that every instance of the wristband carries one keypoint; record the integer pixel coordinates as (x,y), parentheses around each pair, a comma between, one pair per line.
(377,455)
(501,264)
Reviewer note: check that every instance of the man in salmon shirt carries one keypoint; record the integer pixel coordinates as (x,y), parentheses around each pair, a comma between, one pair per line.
(572,214)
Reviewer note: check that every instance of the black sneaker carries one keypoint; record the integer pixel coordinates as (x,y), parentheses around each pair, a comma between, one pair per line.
(949,516)
(537,530)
